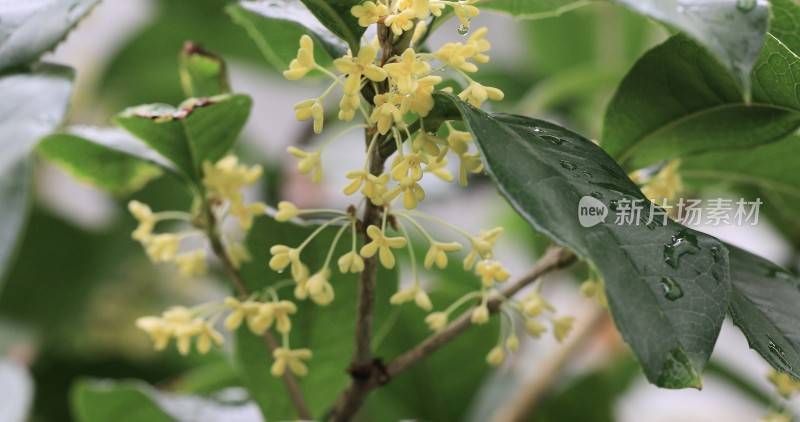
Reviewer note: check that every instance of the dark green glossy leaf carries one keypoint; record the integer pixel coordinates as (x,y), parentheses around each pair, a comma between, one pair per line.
(276,27)
(667,285)
(678,101)
(102,401)
(335,15)
(203,73)
(764,306)
(327,331)
(732,30)
(526,9)
(29,29)
(34,104)
(198,130)
(109,158)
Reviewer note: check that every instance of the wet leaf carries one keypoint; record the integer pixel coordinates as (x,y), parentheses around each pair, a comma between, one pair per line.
(109,158)
(34,104)
(526,9)
(677,101)
(29,29)
(203,73)
(276,27)
(667,285)
(732,30)
(198,130)
(764,306)
(101,401)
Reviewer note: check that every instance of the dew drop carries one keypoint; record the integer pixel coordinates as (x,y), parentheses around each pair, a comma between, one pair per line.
(463,30)
(682,243)
(716,253)
(553,140)
(778,352)
(575,175)
(567,165)
(671,289)
(614,205)
(586,174)
(745,5)
(597,195)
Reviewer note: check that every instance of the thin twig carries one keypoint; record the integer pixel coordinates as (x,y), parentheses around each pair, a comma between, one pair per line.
(553,259)
(292,387)
(356,392)
(522,404)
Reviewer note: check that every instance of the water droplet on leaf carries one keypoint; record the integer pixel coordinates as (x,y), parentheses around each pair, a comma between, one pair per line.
(745,5)
(597,195)
(567,165)
(672,291)
(553,140)
(682,243)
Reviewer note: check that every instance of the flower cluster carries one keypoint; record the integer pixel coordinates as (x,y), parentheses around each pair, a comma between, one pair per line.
(665,184)
(787,388)
(223,182)
(389,82)
(259,313)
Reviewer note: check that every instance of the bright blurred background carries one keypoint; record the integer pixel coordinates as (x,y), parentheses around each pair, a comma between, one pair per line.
(79,282)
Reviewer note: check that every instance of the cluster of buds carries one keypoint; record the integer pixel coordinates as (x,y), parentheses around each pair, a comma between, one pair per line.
(223,182)
(787,388)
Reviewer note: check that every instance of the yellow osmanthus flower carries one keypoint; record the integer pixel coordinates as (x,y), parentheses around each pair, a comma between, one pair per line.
(534,328)
(245,213)
(420,8)
(476,94)
(468,163)
(456,54)
(415,293)
(147,220)
(374,187)
(465,12)
(293,359)
(348,106)
(420,99)
(240,311)
(436,321)
(208,336)
(496,356)
(784,384)
(562,327)
(307,109)
(427,143)
(160,331)
(400,22)
(481,44)
(318,288)
(666,184)
(283,256)
(437,253)
(304,62)
(286,211)
(411,190)
(480,315)
(409,165)
(270,312)
(309,163)
(439,168)
(351,262)
(491,272)
(382,245)
(387,111)
(482,245)
(362,65)
(533,304)
(225,179)
(161,247)
(369,12)
(512,342)
(404,72)
(192,263)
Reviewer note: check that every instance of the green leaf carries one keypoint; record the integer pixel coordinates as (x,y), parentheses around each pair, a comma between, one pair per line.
(526,9)
(203,73)
(762,172)
(109,158)
(102,401)
(34,104)
(327,331)
(276,27)
(667,285)
(677,101)
(335,15)
(732,30)
(764,306)
(29,29)
(16,391)
(198,130)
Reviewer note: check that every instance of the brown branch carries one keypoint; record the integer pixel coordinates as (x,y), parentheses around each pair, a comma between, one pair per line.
(355,393)
(292,387)
(522,404)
